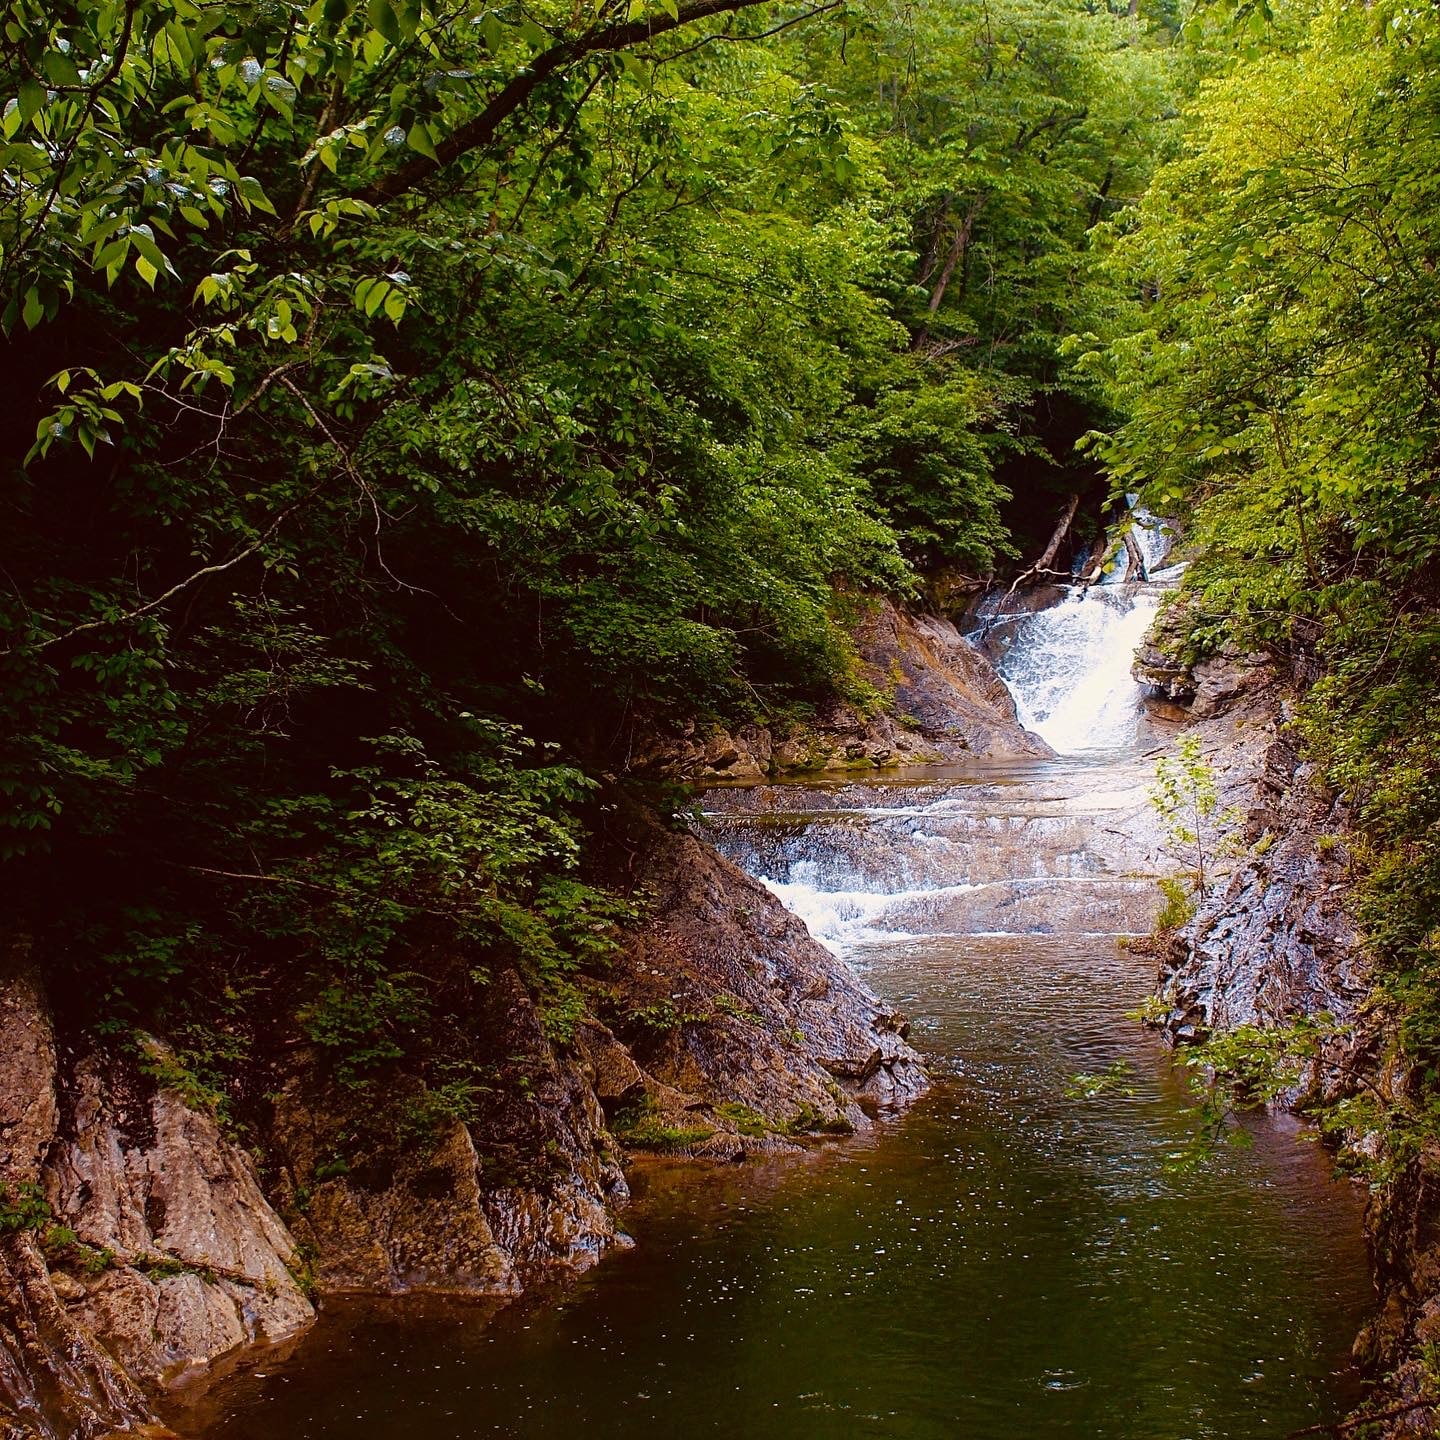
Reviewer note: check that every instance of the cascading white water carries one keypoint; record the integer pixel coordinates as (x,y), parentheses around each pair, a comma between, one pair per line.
(1068,666)
(995,854)
(1013,853)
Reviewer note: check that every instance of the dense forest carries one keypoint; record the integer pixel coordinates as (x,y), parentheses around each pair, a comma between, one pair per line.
(416,412)
(435,404)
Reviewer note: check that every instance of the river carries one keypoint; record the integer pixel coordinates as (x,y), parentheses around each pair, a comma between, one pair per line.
(1004,1261)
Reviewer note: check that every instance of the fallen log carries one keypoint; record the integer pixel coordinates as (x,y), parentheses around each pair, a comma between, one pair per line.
(1042,565)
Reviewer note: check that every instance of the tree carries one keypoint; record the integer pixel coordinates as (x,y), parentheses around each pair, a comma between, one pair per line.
(1187,800)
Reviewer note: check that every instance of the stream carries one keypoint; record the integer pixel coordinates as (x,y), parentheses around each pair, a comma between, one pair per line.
(1002,1262)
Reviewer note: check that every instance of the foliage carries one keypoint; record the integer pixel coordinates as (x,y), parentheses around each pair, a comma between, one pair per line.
(1179,907)
(728,1004)
(1198,830)
(1276,368)
(1009,131)
(1244,1068)
(25,1210)
(417,409)
(23,1206)
(643,1127)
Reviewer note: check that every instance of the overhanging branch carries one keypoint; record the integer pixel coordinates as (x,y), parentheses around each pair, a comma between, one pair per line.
(480,131)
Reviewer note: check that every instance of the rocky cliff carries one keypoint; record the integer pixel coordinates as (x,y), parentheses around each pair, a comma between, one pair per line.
(139,1245)
(940,699)
(1277,941)
(144,1237)
(143,1246)
(145,1241)
(1274,939)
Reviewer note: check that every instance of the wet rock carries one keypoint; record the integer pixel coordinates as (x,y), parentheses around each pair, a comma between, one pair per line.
(204,1263)
(1207,687)
(943,701)
(56,1380)
(456,1207)
(767,1018)
(1274,940)
(29,1107)
(176,1256)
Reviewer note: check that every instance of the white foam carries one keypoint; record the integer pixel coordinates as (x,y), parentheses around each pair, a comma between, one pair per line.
(1069,669)
(839,919)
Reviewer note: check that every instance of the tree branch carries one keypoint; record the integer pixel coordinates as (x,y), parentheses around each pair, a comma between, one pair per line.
(609,39)
(193,578)
(1042,565)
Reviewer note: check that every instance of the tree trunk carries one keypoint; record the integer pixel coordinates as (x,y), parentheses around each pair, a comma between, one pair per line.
(1047,556)
(957,253)
(1138,568)
(1096,562)
(959,246)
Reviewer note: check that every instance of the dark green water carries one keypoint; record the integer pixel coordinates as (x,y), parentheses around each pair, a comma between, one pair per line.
(1001,1263)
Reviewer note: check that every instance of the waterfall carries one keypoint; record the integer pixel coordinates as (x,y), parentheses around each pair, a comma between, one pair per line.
(1018,852)
(1068,664)
(1032,848)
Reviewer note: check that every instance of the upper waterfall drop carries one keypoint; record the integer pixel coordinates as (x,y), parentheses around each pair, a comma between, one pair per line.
(1068,665)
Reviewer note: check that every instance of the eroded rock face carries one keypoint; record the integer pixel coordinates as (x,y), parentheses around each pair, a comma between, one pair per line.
(176,1256)
(203,1264)
(475,1207)
(945,701)
(786,1030)
(1207,688)
(56,1380)
(721,1030)
(1275,940)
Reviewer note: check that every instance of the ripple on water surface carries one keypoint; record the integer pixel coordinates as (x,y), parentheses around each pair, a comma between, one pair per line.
(1001,1264)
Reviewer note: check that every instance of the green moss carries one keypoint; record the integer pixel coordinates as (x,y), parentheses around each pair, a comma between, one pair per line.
(744,1119)
(807,1120)
(166,1267)
(642,1127)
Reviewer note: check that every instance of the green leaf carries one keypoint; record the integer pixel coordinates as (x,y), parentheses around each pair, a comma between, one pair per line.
(383,18)
(60,68)
(418,139)
(32,99)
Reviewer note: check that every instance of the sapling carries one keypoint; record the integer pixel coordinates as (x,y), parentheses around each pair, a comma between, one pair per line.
(1198,830)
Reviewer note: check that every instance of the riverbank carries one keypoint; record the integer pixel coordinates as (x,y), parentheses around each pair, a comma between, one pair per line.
(165,1235)
(723,1031)
(1277,943)
(1006,1258)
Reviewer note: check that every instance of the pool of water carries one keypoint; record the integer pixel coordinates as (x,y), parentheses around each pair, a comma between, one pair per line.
(1001,1263)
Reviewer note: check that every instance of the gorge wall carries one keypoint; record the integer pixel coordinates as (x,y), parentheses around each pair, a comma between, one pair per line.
(1276,941)
(146,1238)
(940,700)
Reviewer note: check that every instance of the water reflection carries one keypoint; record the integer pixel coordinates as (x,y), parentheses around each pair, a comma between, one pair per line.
(1003,1263)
